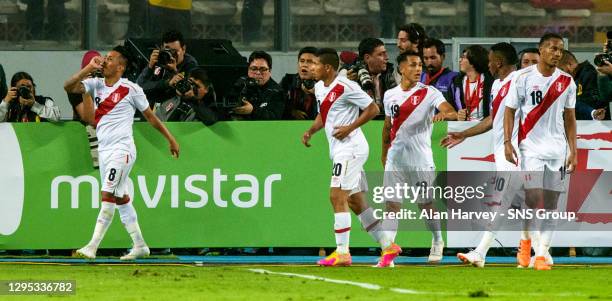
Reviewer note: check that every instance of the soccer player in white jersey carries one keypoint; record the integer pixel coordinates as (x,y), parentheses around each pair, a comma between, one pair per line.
(546,98)
(502,65)
(339,101)
(111,109)
(409,113)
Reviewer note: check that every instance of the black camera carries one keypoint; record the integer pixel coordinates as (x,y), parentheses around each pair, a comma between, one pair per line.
(24,92)
(243,88)
(363,75)
(602,58)
(165,56)
(308,83)
(185,85)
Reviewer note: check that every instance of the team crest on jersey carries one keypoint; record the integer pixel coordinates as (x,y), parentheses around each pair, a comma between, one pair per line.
(116,97)
(415,100)
(503,91)
(332,96)
(559,87)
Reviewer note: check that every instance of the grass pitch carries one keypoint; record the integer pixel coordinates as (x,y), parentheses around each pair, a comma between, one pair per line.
(295,282)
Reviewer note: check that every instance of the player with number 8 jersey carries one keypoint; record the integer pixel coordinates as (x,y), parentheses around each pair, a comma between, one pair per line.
(112,112)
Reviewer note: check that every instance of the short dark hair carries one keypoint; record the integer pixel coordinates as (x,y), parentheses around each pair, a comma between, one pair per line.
(367,46)
(125,54)
(329,56)
(549,36)
(416,32)
(259,54)
(478,56)
(173,36)
(404,56)
(201,75)
(433,42)
(567,57)
(19,76)
(506,51)
(308,49)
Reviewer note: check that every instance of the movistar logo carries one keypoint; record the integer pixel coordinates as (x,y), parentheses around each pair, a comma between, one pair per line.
(11,181)
(205,189)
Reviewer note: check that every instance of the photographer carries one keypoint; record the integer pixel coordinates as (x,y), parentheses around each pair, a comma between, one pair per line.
(165,64)
(589,104)
(194,101)
(262,97)
(299,88)
(21,104)
(373,71)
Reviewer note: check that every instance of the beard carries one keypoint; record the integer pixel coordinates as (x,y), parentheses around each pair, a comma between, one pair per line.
(432,69)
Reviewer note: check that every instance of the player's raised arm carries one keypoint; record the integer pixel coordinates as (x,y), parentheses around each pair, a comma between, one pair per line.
(315,127)
(74,85)
(154,121)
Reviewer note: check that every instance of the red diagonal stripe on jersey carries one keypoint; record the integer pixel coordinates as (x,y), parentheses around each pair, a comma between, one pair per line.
(110,102)
(329,100)
(406,109)
(551,96)
(499,97)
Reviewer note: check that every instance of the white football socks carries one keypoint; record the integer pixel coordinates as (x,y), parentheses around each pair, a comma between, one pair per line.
(371,224)
(105,217)
(342,228)
(130,222)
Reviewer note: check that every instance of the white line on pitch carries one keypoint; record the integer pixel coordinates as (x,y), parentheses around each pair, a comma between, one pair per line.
(365,285)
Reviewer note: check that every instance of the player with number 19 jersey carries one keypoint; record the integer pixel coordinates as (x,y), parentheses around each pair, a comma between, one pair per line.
(411,113)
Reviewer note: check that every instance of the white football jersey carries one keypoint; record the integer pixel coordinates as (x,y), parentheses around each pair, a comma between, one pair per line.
(542,101)
(114,111)
(339,105)
(411,114)
(501,91)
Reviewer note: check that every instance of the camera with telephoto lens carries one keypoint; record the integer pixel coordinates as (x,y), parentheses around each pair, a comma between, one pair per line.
(165,56)
(308,83)
(185,85)
(243,88)
(363,75)
(602,58)
(24,92)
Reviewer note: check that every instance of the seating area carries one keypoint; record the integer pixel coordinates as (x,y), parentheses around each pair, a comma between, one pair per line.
(342,23)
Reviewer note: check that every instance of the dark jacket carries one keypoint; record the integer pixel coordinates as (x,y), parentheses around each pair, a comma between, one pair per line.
(177,109)
(458,95)
(156,86)
(586,86)
(3,87)
(444,83)
(268,103)
(297,99)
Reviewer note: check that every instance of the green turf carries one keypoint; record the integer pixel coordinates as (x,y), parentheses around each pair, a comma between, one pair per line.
(139,282)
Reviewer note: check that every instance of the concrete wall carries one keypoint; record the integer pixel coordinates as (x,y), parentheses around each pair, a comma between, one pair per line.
(51,68)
